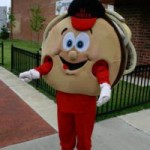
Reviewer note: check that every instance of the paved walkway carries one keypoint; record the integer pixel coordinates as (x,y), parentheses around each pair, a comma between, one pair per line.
(127,132)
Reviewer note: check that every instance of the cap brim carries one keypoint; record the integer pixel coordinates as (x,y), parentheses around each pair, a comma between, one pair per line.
(83,23)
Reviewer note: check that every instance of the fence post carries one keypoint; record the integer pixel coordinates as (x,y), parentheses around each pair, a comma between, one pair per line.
(2,53)
(12,58)
(37,64)
(37,58)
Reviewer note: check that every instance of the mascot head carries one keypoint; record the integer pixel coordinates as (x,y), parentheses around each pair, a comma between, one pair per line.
(76,41)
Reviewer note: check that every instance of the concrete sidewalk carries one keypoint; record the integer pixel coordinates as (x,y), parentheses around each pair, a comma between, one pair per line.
(127,132)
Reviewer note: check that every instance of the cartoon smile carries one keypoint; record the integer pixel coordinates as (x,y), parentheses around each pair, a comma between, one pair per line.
(72,66)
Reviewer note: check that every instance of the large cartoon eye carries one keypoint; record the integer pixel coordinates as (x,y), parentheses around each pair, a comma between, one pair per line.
(68,41)
(82,42)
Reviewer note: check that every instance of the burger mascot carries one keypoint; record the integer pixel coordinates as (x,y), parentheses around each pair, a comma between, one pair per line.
(83,57)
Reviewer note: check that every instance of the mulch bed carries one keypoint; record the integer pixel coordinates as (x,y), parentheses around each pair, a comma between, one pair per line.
(18,122)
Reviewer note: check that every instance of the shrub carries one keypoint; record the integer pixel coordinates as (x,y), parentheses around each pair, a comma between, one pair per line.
(4,34)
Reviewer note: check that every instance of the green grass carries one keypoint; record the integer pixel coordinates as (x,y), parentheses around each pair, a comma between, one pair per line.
(29,46)
(130,93)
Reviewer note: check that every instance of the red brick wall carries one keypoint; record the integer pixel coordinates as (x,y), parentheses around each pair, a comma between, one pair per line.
(138,19)
(22,13)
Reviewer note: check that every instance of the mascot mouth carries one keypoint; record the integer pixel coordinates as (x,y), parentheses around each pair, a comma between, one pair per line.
(72,66)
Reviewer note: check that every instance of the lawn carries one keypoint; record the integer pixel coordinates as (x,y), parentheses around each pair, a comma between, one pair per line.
(29,46)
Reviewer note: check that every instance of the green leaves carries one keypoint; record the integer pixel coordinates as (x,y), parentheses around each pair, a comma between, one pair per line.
(37,20)
(4,34)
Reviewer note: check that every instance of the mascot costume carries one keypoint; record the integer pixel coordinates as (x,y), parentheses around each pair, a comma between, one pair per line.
(84,55)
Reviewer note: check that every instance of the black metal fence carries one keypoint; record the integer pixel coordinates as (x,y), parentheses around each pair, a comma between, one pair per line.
(22,60)
(132,90)
(1,53)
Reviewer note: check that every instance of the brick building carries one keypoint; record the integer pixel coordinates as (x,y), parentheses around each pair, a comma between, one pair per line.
(136,13)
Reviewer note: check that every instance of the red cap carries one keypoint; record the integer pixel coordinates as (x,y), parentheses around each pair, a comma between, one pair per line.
(82,23)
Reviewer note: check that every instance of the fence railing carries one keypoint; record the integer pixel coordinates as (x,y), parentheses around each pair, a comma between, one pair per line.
(22,60)
(132,90)
(1,53)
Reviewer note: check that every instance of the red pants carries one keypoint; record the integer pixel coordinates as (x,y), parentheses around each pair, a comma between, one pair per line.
(76,117)
(75,129)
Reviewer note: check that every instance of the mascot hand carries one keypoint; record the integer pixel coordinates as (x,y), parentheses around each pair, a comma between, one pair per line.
(28,76)
(104,95)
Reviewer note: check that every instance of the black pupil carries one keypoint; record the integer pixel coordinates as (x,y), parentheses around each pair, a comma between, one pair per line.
(80,44)
(69,43)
